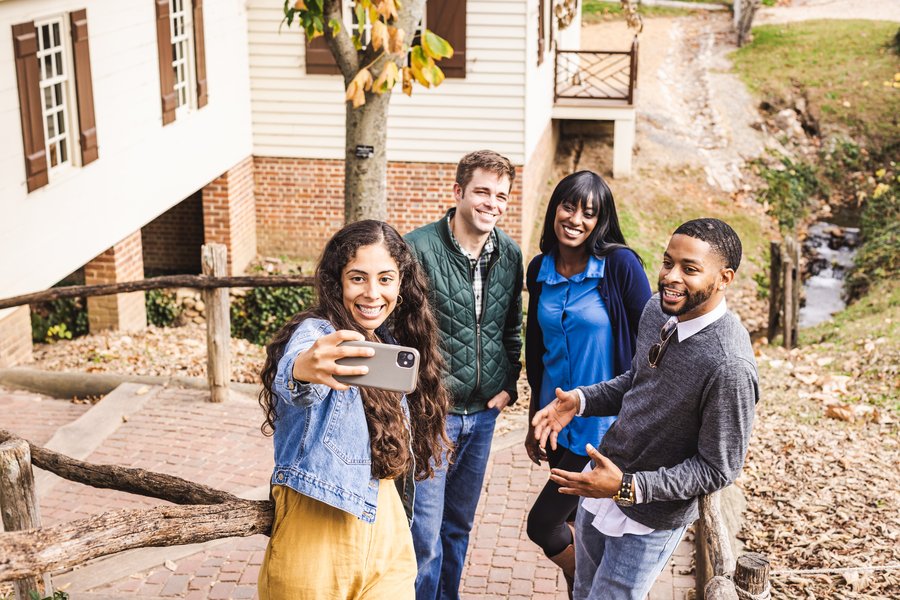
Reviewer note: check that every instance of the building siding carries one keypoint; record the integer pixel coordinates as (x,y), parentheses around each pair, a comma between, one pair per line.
(143,168)
(302,116)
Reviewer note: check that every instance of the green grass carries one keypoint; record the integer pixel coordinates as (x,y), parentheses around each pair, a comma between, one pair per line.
(841,66)
(596,11)
(649,211)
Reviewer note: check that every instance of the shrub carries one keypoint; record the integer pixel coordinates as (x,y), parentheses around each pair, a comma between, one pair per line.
(59,319)
(790,188)
(162,308)
(879,255)
(257,315)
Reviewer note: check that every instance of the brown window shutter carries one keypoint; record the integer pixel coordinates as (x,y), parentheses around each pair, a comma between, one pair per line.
(166,72)
(541,32)
(447,18)
(200,54)
(84,90)
(319,60)
(28,77)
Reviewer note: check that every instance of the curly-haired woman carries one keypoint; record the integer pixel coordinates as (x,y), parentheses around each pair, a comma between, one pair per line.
(346,457)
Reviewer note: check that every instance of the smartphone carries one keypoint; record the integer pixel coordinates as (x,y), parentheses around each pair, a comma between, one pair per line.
(394,368)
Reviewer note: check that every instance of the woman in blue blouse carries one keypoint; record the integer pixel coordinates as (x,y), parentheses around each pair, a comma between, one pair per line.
(587,290)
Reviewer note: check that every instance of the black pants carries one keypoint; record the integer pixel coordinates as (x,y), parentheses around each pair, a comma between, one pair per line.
(551,511)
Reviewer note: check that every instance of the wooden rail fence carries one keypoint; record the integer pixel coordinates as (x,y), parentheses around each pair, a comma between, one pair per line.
(214,262)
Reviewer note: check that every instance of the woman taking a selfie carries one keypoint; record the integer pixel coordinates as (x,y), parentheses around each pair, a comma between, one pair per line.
(586,292)
(346,457)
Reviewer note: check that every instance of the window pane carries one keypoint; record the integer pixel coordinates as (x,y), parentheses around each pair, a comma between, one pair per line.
(51,127)
(58,59)
(63,153)
(59,94)
(45,37)
(48,67)
(48,97)
(56,34)
(62,122)
(53,159)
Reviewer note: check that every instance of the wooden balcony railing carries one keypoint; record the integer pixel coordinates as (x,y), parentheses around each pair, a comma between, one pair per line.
(597,75)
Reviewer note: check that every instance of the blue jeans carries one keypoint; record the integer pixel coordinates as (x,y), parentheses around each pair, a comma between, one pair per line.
(445,507)
(619,568)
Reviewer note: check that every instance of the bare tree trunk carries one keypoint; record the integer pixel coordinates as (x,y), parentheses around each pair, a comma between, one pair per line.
(365,154)
(745,16)
(365,159)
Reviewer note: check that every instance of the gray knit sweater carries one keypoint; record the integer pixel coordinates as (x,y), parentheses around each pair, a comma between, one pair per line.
(683,428)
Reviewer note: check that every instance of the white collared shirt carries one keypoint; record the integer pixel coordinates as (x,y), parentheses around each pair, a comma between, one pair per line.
(608,518)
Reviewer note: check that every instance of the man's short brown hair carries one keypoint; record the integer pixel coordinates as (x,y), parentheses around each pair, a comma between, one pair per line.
(487,160)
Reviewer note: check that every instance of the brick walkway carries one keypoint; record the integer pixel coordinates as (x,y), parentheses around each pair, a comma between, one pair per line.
(220,445)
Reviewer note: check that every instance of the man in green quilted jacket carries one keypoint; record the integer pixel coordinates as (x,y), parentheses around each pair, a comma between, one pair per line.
(475,271)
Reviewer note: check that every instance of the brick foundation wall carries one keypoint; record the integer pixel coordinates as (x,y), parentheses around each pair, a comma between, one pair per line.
(229,214)
(15,337)
(122,262)
(300,202)
(171,242)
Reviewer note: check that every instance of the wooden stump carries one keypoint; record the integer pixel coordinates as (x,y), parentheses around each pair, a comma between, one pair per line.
(218,323)
(752,573)
(19,505)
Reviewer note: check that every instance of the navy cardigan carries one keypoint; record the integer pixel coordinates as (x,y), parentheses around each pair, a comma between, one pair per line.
(625,291)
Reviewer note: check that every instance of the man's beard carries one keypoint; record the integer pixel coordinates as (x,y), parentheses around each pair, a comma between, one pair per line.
(691,300)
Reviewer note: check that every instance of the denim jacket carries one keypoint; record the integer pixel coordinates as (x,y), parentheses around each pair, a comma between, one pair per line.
(322,447)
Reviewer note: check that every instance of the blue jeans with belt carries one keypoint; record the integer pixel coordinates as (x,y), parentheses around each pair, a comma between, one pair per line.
(445,507)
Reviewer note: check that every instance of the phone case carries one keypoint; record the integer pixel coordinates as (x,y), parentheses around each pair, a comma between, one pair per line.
(394,368)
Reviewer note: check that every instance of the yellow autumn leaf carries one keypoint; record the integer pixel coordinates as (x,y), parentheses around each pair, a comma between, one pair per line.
(407,81)
(379,35)
(435,46)
(387,9)
(880,172)
(387,78)
(421,66)
(395,40)
(356,91)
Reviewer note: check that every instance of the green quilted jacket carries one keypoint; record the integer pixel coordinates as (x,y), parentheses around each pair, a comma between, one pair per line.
(482,359)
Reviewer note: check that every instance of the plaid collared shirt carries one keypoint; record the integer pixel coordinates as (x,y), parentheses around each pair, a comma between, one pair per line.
(477,264)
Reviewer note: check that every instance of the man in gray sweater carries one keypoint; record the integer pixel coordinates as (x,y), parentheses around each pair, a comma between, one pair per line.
(685,411)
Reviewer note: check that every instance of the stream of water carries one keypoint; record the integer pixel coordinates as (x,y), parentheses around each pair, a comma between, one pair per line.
(829,250)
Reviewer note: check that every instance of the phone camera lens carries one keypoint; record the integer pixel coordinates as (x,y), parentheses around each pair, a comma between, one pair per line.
(405,359)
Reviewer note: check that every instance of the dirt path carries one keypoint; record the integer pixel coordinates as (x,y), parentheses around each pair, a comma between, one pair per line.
(805,10)
(692,112)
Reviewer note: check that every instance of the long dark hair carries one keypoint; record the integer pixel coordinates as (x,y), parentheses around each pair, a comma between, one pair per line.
(412,323)
(588,190)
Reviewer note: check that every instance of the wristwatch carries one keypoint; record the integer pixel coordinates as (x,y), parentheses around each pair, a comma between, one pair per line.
(625,495)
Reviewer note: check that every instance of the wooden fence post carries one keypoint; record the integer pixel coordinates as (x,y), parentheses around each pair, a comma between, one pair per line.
(774,289)
(19,505)
(752,573)
(788,314)
(794,249)
(214,260)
